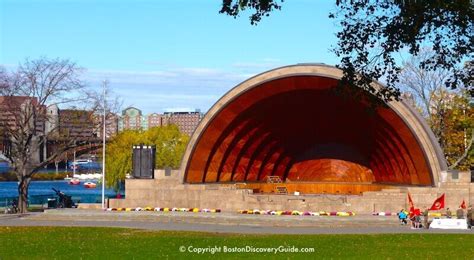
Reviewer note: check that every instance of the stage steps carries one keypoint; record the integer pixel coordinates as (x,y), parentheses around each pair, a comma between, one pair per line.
(274,179)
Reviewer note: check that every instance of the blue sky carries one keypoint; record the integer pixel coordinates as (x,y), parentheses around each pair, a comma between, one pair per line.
(167,54)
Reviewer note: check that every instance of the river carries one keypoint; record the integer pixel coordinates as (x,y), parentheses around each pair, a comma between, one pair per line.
(39,191)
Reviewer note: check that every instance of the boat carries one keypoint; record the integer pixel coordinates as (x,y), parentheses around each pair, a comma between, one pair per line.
(80,163)
(90,185)
(74,181)
(88,176)
(67,178)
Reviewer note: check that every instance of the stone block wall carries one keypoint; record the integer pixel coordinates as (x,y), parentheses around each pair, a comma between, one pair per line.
(167,191)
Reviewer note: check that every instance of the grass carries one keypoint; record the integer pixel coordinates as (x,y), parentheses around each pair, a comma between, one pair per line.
(113,243)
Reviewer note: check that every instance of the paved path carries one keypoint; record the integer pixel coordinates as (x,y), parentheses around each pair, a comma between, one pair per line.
(216,222)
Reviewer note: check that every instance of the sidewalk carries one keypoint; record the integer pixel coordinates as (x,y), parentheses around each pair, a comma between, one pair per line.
(216,222)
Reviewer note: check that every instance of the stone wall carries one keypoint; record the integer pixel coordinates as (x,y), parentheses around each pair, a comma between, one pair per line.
(167,191)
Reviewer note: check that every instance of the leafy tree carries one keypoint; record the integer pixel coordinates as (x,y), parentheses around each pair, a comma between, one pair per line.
(119,156)
(170,146)
(454,121)
(261,7)
(374,31)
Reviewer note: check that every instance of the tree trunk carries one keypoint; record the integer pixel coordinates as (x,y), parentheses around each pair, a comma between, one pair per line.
(465,154)
(23,194)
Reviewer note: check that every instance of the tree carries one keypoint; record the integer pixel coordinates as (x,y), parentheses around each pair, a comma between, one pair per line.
(449,113)
(427,88)
(261,7)
(26,125)
(119,156)
(454,121)
(374,31)
(170,146)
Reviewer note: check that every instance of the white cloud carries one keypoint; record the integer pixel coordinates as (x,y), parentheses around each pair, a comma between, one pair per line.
(169,77)
(179,109)
(176,87)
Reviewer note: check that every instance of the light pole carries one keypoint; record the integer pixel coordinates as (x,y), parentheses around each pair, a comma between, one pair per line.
(74,164)
(103,149)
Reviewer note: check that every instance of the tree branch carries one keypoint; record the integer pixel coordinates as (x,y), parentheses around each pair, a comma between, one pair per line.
(464,155)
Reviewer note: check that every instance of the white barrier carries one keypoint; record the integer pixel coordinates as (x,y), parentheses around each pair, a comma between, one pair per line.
(449,223)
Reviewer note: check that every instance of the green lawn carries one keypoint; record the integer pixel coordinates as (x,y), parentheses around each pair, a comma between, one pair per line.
(107,243)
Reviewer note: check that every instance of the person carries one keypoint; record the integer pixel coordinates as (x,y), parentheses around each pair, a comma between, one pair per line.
(417,221)
(448,213)
(415,218)
(402,216)
(460,213)
(425,218)
(411,217)
(406,212)
(470,217)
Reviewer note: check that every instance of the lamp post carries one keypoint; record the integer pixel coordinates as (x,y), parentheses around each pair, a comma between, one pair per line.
(74,164)
(103,148)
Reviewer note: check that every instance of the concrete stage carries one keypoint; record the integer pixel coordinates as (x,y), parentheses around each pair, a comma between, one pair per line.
(328,142)
(168,191)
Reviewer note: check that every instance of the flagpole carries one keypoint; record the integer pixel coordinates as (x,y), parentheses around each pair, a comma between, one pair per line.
(103,150)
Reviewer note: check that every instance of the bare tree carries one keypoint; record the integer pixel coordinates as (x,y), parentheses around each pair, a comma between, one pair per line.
(424,86)
(446,111)
(26,124)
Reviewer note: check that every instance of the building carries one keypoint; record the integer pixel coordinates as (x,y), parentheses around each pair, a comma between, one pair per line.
(52,124)
(154,120)
(287,135)
(186,121)
(54,127)
(132,118)
(73,124)
(78,124)
(14,110)
(111,125)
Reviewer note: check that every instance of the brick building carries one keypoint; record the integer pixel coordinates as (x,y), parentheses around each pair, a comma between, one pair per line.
(154,120)
(78,124)
(111,125)
(14,110)
(186,121)
(133,118)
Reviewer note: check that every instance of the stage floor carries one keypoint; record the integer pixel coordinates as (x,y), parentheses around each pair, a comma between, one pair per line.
(315,187)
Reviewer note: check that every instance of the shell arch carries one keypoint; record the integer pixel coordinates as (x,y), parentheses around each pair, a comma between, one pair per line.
(287,122)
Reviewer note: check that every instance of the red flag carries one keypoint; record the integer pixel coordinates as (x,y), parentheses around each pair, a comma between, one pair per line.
(438,203)
(463,204)
(410,201)
(412,206)
(417,212)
